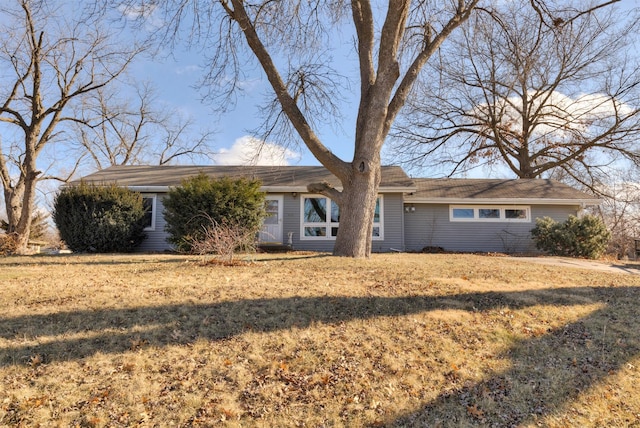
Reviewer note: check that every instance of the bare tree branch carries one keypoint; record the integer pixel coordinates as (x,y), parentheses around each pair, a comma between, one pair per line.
(530,98)
(115,130)
(51,57)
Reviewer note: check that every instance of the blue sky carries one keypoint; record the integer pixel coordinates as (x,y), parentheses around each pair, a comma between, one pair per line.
(176,76)
(176,81)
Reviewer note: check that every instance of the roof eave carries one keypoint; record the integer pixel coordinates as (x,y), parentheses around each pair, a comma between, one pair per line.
(149,189)
(273,189)
(503,201)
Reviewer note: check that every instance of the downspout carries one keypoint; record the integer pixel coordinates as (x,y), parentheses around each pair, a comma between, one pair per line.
(402,214)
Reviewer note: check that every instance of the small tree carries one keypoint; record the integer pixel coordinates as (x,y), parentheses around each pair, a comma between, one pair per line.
(224,240)
(99,219)
(200,202)
(586,236)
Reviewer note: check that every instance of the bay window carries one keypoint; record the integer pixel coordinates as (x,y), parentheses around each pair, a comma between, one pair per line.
(320,218)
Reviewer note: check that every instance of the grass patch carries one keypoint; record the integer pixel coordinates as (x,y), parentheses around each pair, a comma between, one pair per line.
(309,340)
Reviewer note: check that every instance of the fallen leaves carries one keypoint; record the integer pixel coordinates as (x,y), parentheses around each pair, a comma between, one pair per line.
(35,360)
(475,412)
(319,341)
(34,402)
(137,343)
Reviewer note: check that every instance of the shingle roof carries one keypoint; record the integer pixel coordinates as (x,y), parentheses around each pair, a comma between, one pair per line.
(449,189)
(291,178)
(394,179)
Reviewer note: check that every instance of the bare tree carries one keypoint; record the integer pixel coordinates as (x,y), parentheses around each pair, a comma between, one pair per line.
(539,91)
(50,57)
(297,44)
(294,42)
(116,130)
(621,214)
(620,210)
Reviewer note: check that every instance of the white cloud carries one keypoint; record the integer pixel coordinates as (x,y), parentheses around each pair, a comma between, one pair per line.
(187,69)
(243,84)
(249,84)
(252,151)
(147,13)
(561,115)
(134,12)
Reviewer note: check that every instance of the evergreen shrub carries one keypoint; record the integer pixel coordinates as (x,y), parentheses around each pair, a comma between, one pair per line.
(586,236)
(99,219)
(201,202)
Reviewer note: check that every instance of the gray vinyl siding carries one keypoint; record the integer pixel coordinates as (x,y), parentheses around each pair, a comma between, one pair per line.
(392,224)
(392,217)
(292,216)
(429,226)
(156,239)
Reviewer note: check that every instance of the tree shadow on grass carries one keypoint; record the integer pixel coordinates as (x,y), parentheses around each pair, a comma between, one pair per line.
(295,255)
(68,336)
(87,259)
(547,373)
(633,268)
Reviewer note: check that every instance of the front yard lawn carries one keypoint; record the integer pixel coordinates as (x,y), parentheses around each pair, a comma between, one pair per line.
(312,340)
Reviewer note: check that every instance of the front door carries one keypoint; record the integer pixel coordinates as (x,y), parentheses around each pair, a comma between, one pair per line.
(272,226)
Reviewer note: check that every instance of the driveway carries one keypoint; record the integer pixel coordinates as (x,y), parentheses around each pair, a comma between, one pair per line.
(631,267)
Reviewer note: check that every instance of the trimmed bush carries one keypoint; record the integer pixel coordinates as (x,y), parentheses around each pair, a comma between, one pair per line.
(201,201)
(99,219)
(586,236)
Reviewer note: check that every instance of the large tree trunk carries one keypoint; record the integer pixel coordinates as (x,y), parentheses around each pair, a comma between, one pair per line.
(20,203)
(25,189)
(357,208)
(383,92)
(13,207)
(23,229)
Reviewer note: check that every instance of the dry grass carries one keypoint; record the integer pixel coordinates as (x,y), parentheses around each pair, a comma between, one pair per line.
(308,340)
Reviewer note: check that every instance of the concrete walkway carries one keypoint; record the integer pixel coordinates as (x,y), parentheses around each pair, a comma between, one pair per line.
(631,267)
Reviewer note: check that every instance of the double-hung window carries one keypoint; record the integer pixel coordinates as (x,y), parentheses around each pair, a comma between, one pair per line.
(490,213)
(320,218)
(149,203)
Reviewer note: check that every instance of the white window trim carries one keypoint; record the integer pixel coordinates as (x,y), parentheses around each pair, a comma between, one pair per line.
(153,198)
(476,213)
(329,224)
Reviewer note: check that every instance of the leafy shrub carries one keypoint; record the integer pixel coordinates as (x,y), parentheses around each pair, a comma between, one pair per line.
(99,219)
(200,202)
(586,236)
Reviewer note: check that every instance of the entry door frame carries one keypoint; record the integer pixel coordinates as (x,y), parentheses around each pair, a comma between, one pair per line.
(272,232)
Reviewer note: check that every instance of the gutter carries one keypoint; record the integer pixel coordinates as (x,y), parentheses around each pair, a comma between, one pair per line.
(505,201)
(271,189)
